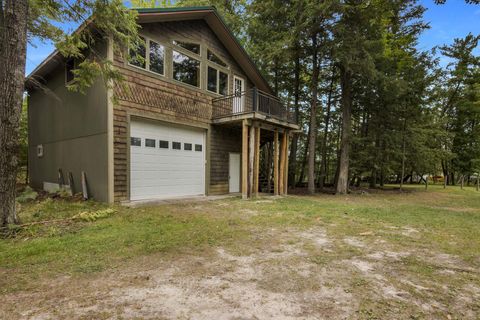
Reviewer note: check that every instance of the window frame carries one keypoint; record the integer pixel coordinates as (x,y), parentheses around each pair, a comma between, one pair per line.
(136,145)
(191,56)
(160,144)
(212,64)
(199,44)
(226,66)
(147,56)
(174,143)
(218,69)
(148,140)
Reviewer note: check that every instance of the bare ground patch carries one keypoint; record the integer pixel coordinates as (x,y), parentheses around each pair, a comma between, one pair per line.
(297,274)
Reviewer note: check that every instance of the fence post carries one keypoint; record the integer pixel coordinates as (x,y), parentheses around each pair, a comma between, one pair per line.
(255,98)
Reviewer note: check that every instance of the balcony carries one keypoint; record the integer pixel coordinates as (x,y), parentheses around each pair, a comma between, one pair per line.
(252,103)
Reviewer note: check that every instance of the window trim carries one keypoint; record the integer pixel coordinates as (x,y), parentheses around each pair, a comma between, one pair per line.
(160,144)
(214,66)
(187,144)
(199,70)
(182,50)
(226,66)
(164,57)
(147,56)
(154,143)
(173,144)
(134,145)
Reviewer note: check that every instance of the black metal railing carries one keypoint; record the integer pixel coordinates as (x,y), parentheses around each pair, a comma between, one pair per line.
(252,100)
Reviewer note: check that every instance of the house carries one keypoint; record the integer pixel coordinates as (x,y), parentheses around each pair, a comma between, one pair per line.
(192,119)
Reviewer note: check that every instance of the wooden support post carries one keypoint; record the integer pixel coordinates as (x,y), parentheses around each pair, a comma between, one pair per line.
(244,160)
(282,165)
(251,161)
(275,162)
(285,175)
(256,172)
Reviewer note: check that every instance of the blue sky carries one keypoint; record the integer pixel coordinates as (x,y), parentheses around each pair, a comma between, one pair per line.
(452,20)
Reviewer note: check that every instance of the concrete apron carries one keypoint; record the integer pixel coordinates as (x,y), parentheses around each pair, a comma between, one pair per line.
(175,200)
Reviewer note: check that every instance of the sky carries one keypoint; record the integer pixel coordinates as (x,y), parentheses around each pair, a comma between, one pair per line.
(455,19)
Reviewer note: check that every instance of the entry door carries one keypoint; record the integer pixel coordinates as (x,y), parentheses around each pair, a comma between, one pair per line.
(234,173)
(239,99)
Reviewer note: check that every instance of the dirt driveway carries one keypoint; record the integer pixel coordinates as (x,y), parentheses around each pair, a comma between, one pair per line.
(383,255)
(304,274)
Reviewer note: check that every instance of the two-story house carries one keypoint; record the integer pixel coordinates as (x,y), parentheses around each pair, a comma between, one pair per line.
(188,120)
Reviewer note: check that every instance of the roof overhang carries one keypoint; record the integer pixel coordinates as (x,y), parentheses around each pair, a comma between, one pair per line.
(152,15)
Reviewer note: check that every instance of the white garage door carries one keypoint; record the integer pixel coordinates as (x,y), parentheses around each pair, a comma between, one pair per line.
(166,161)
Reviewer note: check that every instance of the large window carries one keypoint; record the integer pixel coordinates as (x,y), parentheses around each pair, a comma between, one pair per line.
(157,57)
(186,69)
(155,61)
(217,81)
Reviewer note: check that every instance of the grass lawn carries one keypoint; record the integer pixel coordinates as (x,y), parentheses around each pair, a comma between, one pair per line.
(373,255)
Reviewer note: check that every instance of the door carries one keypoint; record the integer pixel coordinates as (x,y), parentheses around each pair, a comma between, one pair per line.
(234,172)
(166,160)
(239,98)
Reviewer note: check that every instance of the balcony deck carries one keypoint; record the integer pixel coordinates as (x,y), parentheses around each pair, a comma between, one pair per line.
(252,104)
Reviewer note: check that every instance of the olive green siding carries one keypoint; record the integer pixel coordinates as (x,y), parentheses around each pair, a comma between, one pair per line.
(72,128)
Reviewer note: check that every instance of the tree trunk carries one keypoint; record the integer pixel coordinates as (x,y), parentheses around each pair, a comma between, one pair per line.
(403,152)
(342,179)
(313,119)
(323,165)
(13,43)
(294,145)
(301,177)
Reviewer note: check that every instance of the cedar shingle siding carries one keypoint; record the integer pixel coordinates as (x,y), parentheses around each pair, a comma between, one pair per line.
(157,97)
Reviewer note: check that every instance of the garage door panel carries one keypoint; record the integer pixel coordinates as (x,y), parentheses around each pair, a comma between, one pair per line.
(152,176)
(159,172)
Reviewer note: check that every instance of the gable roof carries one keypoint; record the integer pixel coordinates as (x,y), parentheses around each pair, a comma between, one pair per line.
(209,14)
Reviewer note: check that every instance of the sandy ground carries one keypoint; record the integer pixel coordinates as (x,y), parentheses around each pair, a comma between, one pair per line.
(305,275)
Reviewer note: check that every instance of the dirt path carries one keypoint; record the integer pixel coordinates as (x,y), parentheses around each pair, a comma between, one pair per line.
(305,275)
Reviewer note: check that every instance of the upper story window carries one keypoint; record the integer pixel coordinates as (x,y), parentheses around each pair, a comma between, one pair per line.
(186,69)
(157,57)
(217,81)
(154,61)
(192,47)
(137,55)
(214,58)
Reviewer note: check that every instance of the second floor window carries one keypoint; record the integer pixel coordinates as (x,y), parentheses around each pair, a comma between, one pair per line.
(155,61)
(186,69)
(217,81)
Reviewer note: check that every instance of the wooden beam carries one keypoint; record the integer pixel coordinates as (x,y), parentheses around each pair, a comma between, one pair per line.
(244,159)
(251,160)
(256,173)
(285,175)
(281,180)
(275,162)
